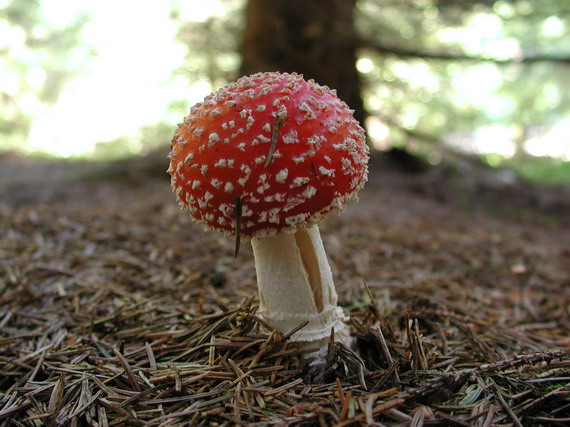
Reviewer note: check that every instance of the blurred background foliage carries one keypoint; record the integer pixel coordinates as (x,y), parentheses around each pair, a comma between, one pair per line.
(37,60)
(440,79)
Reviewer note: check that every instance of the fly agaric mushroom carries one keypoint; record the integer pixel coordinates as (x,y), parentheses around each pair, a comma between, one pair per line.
(267,157)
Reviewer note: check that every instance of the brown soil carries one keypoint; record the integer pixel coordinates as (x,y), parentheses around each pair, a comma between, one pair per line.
(116,309)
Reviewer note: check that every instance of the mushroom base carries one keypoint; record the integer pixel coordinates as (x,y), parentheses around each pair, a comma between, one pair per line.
(296,285)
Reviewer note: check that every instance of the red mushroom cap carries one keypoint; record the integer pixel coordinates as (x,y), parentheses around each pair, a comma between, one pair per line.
(284,150)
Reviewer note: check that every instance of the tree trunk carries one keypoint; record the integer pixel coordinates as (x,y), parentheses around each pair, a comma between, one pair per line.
(313,37)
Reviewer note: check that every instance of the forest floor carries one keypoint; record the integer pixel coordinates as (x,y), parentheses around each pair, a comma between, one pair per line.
(116,310)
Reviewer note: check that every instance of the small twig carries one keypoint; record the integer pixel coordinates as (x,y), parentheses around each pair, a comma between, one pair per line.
(276,125)
(238,225)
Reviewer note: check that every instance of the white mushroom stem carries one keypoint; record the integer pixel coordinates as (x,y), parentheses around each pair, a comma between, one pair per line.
(295,284)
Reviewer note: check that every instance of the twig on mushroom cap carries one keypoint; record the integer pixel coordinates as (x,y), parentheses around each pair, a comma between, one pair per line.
(238,225)
(276,125)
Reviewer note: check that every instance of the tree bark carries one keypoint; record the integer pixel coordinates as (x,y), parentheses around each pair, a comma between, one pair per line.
(314,37)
